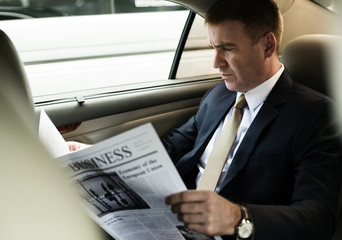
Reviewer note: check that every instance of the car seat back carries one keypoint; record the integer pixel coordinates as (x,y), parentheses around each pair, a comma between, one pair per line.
(37,201)
(13,81)
(309,61)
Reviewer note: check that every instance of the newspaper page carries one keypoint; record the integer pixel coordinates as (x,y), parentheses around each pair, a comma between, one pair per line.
(50,137)
(123,182)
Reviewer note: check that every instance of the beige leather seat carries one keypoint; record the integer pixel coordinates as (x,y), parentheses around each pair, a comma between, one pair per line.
(37,203)
(308,59)
(13,80)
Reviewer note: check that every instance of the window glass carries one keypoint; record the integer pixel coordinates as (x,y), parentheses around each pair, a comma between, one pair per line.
(197,58)
(94,54)
(16,9)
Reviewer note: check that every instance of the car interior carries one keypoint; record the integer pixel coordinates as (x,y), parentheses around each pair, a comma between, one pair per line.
(309,39)
(35,193)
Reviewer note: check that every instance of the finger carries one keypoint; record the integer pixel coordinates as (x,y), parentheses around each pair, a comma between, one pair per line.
(196,218)
(187,208)
(187,196)
(201,228)
(72,145)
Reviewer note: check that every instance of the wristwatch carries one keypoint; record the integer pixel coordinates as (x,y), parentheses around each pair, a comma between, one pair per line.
(245,228)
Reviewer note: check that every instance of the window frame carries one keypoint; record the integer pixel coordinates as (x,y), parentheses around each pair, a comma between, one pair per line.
(318,2)
(181,45)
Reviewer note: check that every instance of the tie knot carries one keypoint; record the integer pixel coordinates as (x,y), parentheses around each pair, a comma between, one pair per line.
(241,102)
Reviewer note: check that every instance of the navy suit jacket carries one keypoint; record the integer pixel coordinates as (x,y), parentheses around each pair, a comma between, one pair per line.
(287,170)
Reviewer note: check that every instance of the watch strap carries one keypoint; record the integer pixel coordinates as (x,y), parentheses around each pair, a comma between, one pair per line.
(245,228)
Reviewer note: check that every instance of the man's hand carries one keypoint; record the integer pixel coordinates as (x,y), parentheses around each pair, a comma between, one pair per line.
(75,146)
(205,212)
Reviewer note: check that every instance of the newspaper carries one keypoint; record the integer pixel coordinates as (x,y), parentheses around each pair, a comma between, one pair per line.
(50,136)
(123,182)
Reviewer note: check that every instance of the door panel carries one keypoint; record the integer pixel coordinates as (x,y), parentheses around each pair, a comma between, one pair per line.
(165,107)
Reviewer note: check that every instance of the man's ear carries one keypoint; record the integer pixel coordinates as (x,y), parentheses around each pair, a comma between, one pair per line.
(270,44)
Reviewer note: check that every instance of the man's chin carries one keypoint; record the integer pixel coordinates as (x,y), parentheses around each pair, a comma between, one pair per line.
(229,85)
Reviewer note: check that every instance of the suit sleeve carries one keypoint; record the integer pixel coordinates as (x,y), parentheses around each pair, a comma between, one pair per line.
(182,140)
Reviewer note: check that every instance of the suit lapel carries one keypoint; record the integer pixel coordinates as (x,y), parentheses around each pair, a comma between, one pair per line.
(216,114)
(267,113)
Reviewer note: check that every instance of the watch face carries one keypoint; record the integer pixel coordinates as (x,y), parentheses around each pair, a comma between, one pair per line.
(245,229)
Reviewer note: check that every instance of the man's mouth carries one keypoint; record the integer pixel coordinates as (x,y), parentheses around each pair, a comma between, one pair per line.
(225,75)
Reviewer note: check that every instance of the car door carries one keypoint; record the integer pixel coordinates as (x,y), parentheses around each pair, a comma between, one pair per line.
(99,75)
(92,116)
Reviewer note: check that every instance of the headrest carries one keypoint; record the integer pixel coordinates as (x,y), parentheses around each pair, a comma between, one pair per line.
(308,59)
(13,81)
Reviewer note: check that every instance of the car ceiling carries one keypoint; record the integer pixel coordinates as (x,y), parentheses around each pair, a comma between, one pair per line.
(201,6)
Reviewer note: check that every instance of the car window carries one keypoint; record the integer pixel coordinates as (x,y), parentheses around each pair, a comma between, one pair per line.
(18,9)
(197,57)
(66,56)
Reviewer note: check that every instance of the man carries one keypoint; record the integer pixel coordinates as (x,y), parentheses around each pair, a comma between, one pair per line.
(281,179)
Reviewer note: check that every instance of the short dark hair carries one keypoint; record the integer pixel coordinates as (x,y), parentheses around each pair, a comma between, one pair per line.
(258,16)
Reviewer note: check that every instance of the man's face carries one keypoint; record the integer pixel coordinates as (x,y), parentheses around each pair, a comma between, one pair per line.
(240,61)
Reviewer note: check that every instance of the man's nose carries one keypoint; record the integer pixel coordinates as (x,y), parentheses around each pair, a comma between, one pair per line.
(219,60)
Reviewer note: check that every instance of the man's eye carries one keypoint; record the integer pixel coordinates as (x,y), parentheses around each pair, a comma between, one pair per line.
(228,49)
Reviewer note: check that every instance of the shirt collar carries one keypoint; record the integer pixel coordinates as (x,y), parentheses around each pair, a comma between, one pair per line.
(258,95)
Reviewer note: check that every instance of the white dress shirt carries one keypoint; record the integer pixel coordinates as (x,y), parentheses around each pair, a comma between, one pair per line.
(255,99)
